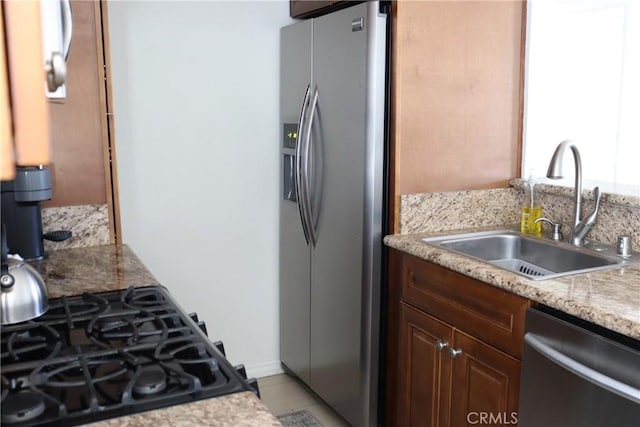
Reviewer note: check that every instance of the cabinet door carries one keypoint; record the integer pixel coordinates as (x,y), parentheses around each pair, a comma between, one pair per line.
(28,144)
(485,384)
(424,369)
(76,130)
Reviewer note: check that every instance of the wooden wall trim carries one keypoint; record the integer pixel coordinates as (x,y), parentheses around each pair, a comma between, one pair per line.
(108,123)
(394,287)
(394,197)
(523,68)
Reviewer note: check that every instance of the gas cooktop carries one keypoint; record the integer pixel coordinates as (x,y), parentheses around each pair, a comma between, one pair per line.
(104,355)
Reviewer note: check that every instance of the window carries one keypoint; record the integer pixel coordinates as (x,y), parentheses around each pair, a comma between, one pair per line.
(583,83)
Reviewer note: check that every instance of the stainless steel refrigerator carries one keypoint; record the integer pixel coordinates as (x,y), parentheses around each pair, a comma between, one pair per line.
(332,111)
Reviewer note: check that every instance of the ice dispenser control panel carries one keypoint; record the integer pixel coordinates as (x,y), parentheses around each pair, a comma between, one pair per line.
(289,138)
(289,135)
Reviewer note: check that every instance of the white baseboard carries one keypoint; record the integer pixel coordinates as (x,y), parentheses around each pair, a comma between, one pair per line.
(264,369)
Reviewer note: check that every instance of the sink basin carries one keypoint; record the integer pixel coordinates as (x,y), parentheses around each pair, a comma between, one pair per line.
(532,257)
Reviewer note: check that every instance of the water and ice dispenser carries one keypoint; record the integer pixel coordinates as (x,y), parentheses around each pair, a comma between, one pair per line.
(289,137)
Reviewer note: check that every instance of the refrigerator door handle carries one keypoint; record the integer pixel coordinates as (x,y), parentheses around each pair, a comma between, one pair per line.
(306,167)
(298,164)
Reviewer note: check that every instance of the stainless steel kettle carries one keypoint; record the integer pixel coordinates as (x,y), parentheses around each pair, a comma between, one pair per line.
(22,290)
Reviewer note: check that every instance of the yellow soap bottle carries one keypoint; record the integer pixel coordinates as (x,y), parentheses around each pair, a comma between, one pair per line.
(531,210)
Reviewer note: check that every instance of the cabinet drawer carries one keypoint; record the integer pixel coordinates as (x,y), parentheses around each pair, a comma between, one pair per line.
(484,311)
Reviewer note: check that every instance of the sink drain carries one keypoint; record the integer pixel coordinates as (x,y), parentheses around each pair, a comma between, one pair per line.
(522,267)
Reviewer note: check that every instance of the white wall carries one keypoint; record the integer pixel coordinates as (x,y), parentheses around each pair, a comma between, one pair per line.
(195,87)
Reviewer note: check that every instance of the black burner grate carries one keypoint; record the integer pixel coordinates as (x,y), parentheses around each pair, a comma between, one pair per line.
(98,356)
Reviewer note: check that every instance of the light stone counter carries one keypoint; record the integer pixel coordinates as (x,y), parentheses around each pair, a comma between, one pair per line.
(92,269)
(609,298)
(234,410)
(89,225)
(112,267)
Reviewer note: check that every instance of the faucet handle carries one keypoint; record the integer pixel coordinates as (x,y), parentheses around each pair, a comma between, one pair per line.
(592,216)
(582,227)
(556,233)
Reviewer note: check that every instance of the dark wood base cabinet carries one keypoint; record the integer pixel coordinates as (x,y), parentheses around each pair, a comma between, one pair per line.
(442,374)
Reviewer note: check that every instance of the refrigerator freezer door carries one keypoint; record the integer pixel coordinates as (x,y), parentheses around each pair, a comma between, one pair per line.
(295,76)
(340,141)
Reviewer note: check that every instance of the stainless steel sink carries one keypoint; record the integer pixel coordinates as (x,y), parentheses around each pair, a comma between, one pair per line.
(532,257)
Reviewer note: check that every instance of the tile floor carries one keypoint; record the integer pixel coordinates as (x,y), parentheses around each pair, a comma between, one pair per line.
(282,394)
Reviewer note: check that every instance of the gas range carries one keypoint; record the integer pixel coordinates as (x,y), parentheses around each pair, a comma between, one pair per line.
(98,356)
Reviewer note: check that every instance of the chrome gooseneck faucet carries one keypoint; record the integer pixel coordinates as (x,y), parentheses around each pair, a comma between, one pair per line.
(580,227)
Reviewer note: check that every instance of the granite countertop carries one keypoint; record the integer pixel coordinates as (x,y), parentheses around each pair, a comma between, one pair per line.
(609,298)
(113,267)
(92,269)
(233,410)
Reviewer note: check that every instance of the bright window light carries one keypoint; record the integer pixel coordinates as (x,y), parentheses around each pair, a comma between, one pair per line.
(582,83)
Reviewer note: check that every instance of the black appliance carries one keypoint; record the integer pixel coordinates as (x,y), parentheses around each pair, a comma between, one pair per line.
(104,355)
(21,214)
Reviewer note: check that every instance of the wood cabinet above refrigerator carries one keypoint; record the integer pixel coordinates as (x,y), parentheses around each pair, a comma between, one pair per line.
(311,8)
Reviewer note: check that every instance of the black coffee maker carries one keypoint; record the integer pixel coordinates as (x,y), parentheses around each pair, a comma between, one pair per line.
(21,214)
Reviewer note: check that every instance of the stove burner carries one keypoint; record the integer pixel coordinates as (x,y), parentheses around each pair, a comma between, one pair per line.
(142,299)
(93,357)
(144,327)
(151,380)
(30,341)
(111,328)
(64,307)
(21,407)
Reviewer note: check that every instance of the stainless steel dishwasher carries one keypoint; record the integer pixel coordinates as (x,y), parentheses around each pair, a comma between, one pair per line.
(577,374)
